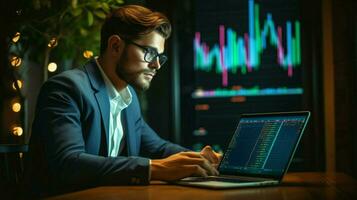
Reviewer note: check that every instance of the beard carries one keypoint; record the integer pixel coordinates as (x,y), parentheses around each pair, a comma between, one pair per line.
(133,77)
(131,74)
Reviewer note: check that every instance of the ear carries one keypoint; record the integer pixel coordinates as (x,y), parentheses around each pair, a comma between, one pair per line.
(115,45)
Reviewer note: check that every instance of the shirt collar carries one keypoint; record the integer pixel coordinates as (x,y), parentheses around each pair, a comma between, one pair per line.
(113,93)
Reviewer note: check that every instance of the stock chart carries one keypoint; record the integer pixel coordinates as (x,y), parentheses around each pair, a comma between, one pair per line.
(247,57)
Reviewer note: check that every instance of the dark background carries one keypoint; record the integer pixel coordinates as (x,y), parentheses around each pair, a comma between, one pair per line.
(164,104)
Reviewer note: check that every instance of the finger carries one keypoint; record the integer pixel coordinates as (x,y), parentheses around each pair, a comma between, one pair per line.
(206,149)
(196,170)
(185,160)
(215,165)
(213,158)
(191,161)
(197,158)
(218,155)
(209,154)
(191,154)
(209,168)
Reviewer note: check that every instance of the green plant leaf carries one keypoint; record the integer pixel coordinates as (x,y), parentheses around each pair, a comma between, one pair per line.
(83,32)
(74,3)
(90,18)
(96,5)
(100,14)
(78,21)
(113,7)
(105,7)
(120,1)
(77,11)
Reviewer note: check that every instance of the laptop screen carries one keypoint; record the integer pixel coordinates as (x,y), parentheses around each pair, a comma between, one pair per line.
(263,144)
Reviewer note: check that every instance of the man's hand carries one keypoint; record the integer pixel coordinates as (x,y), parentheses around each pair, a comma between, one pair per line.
(181,165)
(213,157)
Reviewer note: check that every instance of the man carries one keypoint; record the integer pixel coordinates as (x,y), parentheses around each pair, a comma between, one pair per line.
(88,129)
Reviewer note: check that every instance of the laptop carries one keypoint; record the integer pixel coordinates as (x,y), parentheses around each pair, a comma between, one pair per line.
(259,153)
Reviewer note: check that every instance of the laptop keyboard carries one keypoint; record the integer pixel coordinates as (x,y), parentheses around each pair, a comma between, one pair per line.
(222,179)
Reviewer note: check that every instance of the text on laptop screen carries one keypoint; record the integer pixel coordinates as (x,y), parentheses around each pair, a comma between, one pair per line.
(262,145)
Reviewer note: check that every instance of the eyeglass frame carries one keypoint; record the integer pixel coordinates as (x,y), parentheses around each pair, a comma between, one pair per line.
(148,49)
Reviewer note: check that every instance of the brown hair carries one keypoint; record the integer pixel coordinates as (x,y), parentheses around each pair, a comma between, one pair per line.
(131,22)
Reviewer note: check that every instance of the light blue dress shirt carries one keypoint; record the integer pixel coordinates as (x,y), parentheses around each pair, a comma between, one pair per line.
(119,100)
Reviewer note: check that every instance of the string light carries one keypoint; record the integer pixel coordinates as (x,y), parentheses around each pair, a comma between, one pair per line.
(52,67)
(16,37)
(18,12)
(16,107)
(53,42)
(17,131)
(88,54)
(15,61)
(19,83)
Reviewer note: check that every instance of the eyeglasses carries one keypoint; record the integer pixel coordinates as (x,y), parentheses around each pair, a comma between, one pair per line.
(151,53)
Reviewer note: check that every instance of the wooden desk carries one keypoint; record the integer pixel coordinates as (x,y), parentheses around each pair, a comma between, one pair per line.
(297,186)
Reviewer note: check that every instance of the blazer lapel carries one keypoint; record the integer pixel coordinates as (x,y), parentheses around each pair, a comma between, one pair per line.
(101,94)
(102,100)
(128,126)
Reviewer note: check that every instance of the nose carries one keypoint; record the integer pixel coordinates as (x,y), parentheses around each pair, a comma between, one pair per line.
(155,64)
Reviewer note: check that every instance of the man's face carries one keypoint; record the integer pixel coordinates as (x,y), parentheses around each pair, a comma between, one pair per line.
(132,68)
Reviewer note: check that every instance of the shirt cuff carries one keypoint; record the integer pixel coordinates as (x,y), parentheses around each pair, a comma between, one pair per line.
(149,177)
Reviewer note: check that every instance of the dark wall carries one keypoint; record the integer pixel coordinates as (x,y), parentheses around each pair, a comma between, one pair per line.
(8,22)
(157,101)
(345,67)
(313,142)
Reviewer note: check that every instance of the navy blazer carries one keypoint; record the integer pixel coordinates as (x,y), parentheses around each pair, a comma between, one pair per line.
(68,145)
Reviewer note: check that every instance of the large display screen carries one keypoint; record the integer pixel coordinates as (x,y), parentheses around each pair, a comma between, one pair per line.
(246,58)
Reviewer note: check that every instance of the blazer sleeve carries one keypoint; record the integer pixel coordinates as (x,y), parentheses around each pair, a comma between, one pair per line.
(151,145)
(155,146)
(58,128)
